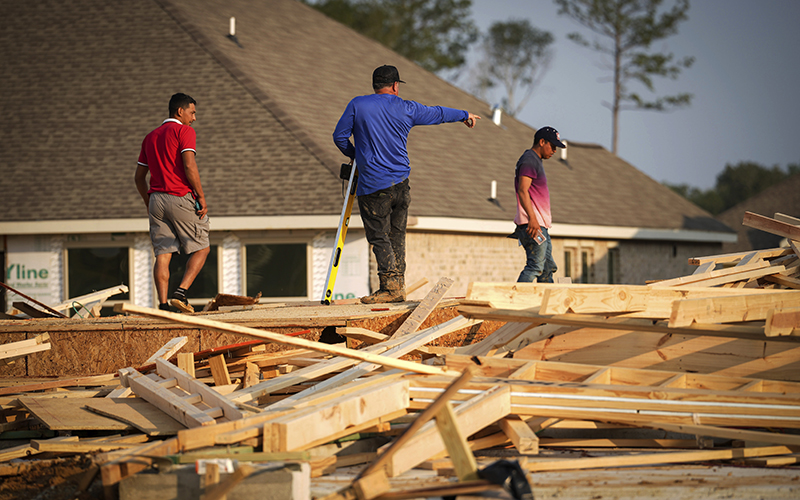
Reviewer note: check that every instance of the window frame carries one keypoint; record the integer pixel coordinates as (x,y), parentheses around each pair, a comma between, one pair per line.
(126,241)
(306,240)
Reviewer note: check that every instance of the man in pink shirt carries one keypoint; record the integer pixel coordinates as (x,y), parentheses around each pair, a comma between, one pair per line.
(533,217)
(174,199)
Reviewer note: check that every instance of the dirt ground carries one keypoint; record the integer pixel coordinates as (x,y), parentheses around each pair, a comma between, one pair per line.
(56,479)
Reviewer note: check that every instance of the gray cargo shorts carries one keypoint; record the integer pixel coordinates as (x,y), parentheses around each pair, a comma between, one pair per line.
(174,224)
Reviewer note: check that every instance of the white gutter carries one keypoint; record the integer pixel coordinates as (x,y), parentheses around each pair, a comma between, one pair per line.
(300,222)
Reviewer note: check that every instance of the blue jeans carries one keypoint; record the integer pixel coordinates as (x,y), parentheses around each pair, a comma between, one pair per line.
(539,265)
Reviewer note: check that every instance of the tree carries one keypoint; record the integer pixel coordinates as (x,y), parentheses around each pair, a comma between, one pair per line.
(516,55)
(632,26)
(735,184)
(434,33)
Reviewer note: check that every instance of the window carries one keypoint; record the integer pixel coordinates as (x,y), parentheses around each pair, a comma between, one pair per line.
(205,285)
(613,265)
(568,263)
(93,269)
(587,266)
(276,270)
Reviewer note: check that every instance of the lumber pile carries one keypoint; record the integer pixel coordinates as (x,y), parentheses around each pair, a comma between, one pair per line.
(388,415)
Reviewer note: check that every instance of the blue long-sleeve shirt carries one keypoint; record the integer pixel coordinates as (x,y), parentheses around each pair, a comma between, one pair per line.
(380,124)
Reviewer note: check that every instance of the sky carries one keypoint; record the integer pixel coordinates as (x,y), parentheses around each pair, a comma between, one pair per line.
(745,81)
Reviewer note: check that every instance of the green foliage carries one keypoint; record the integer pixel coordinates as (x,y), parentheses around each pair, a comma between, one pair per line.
(629,27)
(735,184)
(516,55)
(434,33)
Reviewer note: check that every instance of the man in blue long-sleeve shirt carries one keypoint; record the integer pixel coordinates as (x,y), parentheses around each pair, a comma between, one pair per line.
(380,124)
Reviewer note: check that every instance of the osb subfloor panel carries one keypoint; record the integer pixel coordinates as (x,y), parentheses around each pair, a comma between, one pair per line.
(104,345)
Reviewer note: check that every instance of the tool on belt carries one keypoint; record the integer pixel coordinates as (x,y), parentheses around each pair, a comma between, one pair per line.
(350,173)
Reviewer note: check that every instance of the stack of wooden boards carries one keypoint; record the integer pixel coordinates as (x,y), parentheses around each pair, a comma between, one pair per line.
(565,384)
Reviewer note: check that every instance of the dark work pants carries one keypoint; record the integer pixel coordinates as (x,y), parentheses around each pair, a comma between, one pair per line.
(385,214)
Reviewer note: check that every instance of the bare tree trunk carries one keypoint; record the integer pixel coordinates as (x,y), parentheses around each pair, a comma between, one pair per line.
(617,92)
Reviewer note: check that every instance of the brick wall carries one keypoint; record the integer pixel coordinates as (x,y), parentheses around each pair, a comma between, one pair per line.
(467,258)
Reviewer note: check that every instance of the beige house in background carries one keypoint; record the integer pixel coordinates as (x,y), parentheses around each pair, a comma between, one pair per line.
(84,82)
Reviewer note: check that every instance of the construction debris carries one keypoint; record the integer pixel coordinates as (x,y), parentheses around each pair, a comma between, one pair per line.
(693,381)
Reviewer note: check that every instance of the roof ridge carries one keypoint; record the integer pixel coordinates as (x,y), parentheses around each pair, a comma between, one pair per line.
(271,105)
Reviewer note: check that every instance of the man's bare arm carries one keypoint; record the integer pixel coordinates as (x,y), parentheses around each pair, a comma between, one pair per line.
(140,178)
(193,175)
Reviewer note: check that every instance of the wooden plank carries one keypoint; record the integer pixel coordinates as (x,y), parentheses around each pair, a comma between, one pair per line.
(730,309)
(78,446)
(705,267)
(770,225)
(416,286)
(525,440)
(497,339)
(456,444)
(282,339)
(419,422)
(193,386)
(138,413)
(656,300)
(588,321)
(406,344)
(32,311)
(311,426)
(186,362)
(617,443)
(170,403)
(786,281)
(33,301)
(168,350)
(69,414)
(219,370)
(424,308)
(714,278)
(99,296)
(640,459)
(592,300)
(781,321)
(475,414)
(730,258)
(722,432)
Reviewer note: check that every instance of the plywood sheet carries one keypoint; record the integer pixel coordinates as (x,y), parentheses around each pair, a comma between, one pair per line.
(138,413)
(70,414)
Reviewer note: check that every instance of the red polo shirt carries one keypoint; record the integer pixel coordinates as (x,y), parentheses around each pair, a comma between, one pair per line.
(161,153)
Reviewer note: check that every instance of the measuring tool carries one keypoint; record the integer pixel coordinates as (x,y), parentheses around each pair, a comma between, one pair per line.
(347,172)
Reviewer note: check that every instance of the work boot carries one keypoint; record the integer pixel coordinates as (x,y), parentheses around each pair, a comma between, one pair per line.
(392,289)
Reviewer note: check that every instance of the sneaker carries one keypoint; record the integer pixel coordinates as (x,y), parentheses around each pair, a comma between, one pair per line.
(181,304)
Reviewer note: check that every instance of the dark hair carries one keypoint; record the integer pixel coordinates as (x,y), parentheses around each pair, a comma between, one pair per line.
(179,101)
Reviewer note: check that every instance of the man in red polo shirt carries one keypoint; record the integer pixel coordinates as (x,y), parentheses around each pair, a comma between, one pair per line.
(174,199)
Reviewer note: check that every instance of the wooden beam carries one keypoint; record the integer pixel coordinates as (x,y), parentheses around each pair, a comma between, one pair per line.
(456,444)
(730,258)
(168,350)
(729,275)
(730,309)
(638,325)
(473,415)
(525,440)
(186,362)
(281,339)
(168,402)
(403,346)
(782,321)
(193,386)
(641,459)
(219,370)
(424,308)
(770,225)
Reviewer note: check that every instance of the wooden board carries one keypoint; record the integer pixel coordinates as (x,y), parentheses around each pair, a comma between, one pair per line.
(70,414)
(138,413)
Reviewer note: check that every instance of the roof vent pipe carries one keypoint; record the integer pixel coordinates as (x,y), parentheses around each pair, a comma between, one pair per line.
(497,115)
(233,26)
(564,151)
(494,191)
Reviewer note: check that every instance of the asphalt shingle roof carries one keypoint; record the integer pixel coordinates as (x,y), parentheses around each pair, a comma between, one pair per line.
(84,81)
(783,197)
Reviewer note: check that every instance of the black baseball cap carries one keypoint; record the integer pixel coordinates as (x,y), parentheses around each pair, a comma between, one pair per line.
(550,135)
(385,75)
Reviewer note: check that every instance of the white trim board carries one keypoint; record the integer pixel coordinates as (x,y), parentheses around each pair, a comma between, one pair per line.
(445,224)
